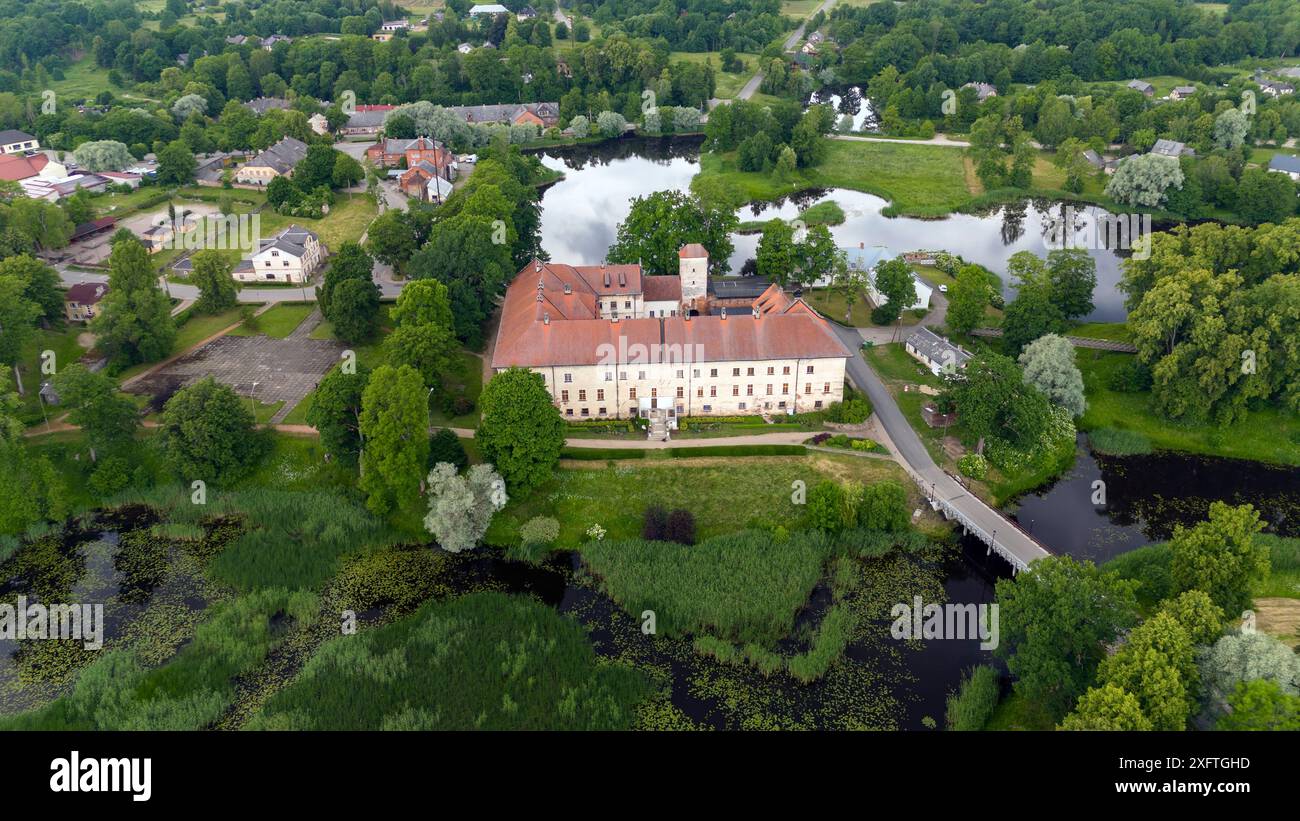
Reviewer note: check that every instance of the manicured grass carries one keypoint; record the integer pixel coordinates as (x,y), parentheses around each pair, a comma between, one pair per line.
(1269,434)
(892,362)
(1115,331)
(920,180)
(712,489)
(831,303)
(279,321)
(485,661)
(744,587)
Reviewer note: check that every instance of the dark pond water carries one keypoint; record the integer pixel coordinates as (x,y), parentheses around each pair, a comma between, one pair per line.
(1147,496)
(581,213)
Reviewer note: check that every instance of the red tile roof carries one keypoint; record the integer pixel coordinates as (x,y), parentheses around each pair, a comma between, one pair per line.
(18,167)
(542,325)
(662,288)
(692,251)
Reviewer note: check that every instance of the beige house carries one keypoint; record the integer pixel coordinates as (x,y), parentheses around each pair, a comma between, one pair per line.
(590,333)
(275,161)
(292,255)
(81,300)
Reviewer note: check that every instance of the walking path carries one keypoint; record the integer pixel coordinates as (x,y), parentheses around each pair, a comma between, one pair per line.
(1077,341)
(751,87)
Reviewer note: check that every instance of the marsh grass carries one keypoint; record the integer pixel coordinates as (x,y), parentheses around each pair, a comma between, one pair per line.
(970,708)
(119,692)
(483,661)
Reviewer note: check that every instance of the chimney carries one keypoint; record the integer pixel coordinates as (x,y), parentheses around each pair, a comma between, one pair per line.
(756,314)
(568,289)
(724,310)
(537,265)
(546,319)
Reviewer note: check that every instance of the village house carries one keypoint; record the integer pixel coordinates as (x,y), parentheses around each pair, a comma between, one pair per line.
(261,105)
(292,255)
(1272,89)
(18,167)
(1143,86)
(80,301)
(366,120)
(1285,164)
(935,352)
(1182,92)
(16,142)
(276,161)
(868,259)
(983,91)
(388,153)
(590,332)
(542,115)
(1172,148)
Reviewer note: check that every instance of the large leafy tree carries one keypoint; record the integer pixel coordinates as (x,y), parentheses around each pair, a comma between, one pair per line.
(659,224)
(17,315)
(176,164)
(1110,708)
(777,252)
(1144,180)
(107,418)
(207,432)
(1049,365)
(968,299)
(893,279)
(40,283)
(1071,277)
(993,399)
(1221,556)
(461,505)
(395,431)
(521,431)
(335,412)
(1157,665)
(218,290)
(1057,618)
(134,322)
(30,490)
(1261,705)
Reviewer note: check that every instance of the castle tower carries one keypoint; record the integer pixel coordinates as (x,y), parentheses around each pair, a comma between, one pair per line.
(694,272)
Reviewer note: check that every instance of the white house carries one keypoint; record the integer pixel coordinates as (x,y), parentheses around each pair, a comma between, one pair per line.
(275,161)
(489,9)
(935,352)
(867,259)
(16,142)
(290,256)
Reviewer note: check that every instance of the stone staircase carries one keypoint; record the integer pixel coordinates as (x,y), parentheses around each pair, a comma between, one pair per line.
(657,431)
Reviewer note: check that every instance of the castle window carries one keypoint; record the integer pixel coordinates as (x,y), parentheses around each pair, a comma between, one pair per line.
(564,396)
(631,393)
(584,412)
(681,392)
(735,371)
(600,394)
(785,388)
(609,376)
(582,396)
(771,371)
(713,390)
(568,377)
(640,374)
(602,411)
(654,392)
(826,388)
(713,372)
(769,389)
(810,369)
(818,404)
(749,390)
(735,390)
(708,408)
(749,372)
(742,405)
(681,374)
(568,411)
(697,373)
(785,371)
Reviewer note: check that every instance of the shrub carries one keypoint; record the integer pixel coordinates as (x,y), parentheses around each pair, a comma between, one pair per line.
(1131,377)
(973,465)
(681,527)
(112,474)
(970,707)
(445,446)
(655,526)
(884,507)
(849,412)
(539,530)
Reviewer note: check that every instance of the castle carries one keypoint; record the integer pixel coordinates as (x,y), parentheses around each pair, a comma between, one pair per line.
(612,342)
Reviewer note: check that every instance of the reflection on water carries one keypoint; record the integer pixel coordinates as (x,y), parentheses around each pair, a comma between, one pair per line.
(1146,496)
(580,215)
(848,102)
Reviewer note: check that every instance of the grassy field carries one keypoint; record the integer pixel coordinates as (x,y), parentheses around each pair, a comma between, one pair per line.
(616,497)
(831,303)
(1269,434)
(193,328)
(919,180)
(728,85)
(279,321)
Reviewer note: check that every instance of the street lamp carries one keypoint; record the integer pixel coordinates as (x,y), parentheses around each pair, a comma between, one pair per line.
(428,406)
(252,402)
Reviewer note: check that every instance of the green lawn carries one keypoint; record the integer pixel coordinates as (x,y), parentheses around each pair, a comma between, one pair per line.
(918,180)
(193,329)
(616,497)
(728,85)
(892,362)
(1269,434)
(831,303)
(1114,331)
(279,321)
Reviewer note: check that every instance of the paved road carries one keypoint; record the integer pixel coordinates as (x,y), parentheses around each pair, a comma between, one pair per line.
(921,465)
(751,87)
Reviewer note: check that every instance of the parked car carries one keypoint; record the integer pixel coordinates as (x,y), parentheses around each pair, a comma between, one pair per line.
(943,289)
